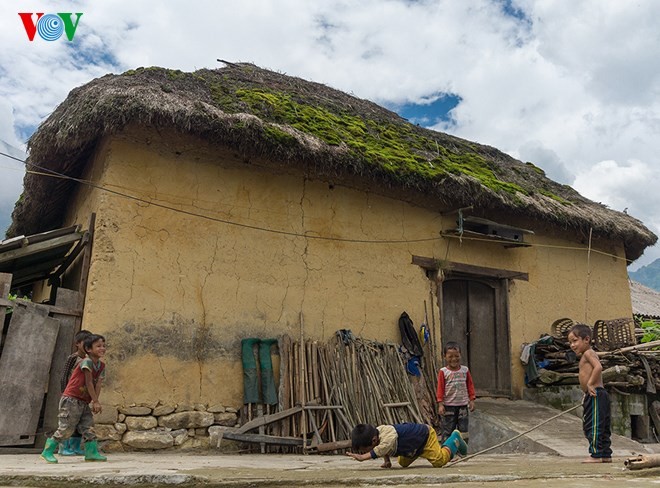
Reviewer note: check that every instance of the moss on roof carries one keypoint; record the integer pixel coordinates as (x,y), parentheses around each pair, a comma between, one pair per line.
(328,133)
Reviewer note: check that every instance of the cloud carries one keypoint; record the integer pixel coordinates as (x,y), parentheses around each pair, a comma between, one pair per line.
(630,186)
(565,85)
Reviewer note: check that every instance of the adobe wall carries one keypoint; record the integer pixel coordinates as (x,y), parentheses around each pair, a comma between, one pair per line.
(174,293)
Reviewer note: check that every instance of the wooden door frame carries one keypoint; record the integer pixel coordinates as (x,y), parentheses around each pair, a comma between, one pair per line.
(438,271)
(503,386)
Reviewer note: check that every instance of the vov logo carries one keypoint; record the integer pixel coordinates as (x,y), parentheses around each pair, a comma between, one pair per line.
(50,27)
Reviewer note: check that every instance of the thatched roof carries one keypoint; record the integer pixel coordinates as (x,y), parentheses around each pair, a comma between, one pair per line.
(329,134)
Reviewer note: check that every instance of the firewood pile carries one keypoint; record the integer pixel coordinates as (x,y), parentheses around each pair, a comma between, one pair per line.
(627,365)
(326,388)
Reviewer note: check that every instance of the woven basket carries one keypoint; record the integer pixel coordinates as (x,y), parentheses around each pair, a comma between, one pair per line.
(614,334)
(561,327)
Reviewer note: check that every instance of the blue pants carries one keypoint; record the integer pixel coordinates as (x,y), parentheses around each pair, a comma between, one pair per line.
(596,423)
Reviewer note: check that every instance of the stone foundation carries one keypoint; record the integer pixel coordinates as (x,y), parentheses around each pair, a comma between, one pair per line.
(626,409)
(153,427)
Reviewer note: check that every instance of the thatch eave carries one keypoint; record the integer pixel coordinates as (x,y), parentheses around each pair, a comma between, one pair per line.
(333,136)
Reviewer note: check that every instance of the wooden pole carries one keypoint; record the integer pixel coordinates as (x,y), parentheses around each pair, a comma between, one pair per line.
(303,378)
(637,347)
(643,461)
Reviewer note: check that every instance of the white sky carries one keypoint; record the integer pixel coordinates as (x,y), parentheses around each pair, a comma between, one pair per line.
(571,86)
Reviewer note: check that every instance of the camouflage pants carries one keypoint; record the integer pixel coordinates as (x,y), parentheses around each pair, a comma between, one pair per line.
(454,418)
(74,414)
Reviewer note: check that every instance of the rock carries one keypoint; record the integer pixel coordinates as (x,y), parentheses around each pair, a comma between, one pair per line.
(200,407)
(215,435)
(180,436)
(111,446)
(183,407)
(231,410)
(141,423)
(105,432)
(148,440)
(107,416)
(226,419)
(163,410)
(135,410)
(187,420)
(121,428)
(216,409)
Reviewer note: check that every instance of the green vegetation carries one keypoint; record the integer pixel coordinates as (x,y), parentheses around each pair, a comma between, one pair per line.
(407,154)
(396,148)
(651,331)
(12,298)
(535,168)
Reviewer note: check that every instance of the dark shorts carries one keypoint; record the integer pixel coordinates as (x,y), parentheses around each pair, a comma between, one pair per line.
(454,418)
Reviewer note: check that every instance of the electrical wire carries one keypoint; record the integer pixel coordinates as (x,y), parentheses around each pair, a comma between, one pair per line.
(54,174)
(51,173)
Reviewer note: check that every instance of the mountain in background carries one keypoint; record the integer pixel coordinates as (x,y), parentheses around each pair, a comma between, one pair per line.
(648,275)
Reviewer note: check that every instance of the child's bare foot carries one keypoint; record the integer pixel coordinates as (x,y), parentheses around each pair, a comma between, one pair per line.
(597,460)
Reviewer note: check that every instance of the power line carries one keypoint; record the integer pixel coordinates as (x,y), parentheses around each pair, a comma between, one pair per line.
(51,173)
(54,174)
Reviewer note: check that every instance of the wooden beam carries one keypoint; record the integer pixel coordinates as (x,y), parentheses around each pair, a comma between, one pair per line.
(268,419)
(84,269)
(331,446)
(63,348)
(266,439)
(436,264)
(51,308)
(39,247)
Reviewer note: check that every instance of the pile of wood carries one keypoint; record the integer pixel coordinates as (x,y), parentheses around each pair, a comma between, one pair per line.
(633,368)
(325,389)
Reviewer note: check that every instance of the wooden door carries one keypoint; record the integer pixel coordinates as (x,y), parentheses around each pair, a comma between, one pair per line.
(24,365)
(474,315)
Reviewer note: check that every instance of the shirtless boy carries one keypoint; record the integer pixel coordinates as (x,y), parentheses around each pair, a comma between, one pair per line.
(596,404)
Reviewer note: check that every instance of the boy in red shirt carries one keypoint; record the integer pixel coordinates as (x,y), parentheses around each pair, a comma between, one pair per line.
(81,391)
(455,393)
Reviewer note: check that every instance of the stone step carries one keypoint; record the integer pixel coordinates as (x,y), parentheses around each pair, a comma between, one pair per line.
(496,420)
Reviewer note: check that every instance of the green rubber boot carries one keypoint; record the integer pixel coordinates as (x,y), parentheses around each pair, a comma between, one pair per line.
(49,451)
(92,452)
(455,443)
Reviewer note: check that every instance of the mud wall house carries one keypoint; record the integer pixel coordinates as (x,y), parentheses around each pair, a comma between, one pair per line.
(230,201)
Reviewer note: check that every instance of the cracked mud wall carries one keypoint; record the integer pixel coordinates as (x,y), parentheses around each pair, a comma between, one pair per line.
(175,291)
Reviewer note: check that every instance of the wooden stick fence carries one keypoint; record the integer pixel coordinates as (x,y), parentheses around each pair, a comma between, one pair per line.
(341,383)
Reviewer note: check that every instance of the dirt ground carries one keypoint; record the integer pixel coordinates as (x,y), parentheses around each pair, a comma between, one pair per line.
(271,470)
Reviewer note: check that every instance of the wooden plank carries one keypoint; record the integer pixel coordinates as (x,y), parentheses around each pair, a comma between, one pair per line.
(265,439)
(38,247)
(482,335)
(650,381)
(86,263)
(63,348)
(435,264)
(51,308)
(268,419)
(331,446)
(23,374)
(654,410)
